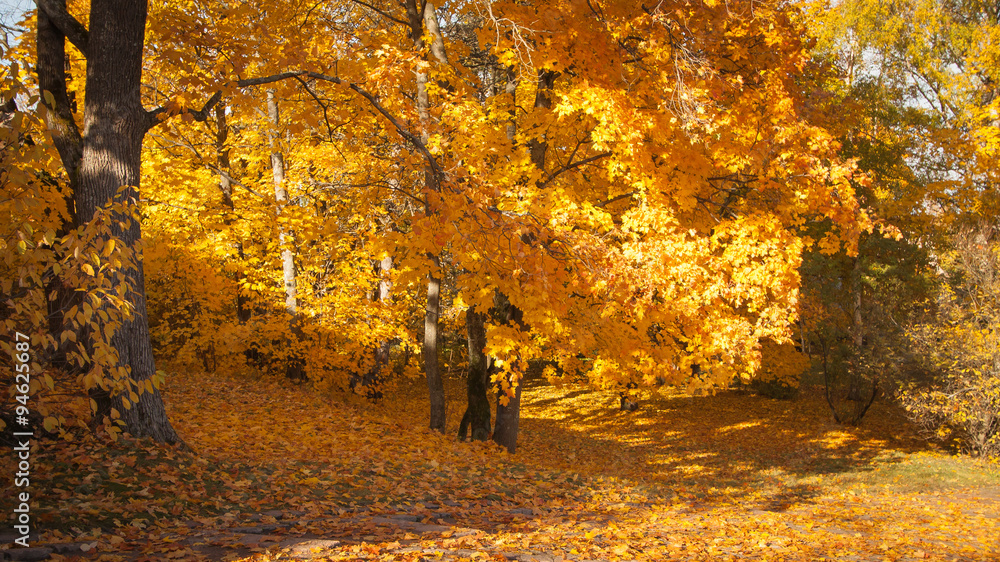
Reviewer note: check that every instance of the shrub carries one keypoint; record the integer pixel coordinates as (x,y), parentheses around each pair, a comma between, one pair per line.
(960,402)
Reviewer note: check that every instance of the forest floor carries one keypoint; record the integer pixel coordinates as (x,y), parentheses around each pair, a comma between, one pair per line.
(278,472)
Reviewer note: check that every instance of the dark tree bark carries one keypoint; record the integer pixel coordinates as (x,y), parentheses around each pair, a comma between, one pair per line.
(543,99)
(59,119)
(508,417)
(505,430)
(114,126)
(51,56)
(477,413)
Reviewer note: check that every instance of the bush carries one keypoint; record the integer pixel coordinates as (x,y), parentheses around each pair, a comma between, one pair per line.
(960,402)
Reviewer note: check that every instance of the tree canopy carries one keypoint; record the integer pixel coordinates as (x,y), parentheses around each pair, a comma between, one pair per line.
(633,196)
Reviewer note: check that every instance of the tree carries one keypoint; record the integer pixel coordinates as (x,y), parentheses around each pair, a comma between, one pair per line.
(855,308)
(101,159)
(922,77)
(476,420)
(939,58)
(639,221)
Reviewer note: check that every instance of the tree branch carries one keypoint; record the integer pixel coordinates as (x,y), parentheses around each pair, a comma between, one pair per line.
(602,204)
(326,113)
(233,180)
(573,165)
(154,116)
(66,23)
(381,13)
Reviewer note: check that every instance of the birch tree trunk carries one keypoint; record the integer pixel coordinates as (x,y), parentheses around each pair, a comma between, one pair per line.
(293,366)
(281,197)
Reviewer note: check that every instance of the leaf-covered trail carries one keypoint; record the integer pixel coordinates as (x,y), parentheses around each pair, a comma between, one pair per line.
(278,468)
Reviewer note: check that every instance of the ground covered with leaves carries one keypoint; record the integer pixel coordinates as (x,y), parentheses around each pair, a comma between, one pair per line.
(276,471)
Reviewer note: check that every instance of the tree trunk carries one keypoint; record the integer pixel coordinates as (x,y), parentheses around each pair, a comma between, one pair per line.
(508,417)
(856,380)
(51,65)
(281,197)
(372,380)
(543,100)
(419,19)
(114,126)
(226,189)
(477,413)
(61,124)
(293,367)
(435,385)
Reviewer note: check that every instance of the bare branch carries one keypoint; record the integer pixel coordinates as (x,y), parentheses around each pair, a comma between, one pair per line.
(381,13)
(326,112)
(158,114)
(66,23)
(154,116)
(602,204)
(403,132)
(233,180)
(573,165)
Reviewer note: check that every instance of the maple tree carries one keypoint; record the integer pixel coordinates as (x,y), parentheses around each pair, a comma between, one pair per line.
(640,218)
(620,193)
(99,158)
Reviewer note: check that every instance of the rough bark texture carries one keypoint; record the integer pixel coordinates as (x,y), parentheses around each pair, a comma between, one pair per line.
(508,417)
(51,54)
(477,413)
(61,124)
(114,126)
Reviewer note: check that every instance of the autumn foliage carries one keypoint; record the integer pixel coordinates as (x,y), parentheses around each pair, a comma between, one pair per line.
(736,201)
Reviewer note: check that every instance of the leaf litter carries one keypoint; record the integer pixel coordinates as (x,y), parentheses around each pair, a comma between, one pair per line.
(276,471)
